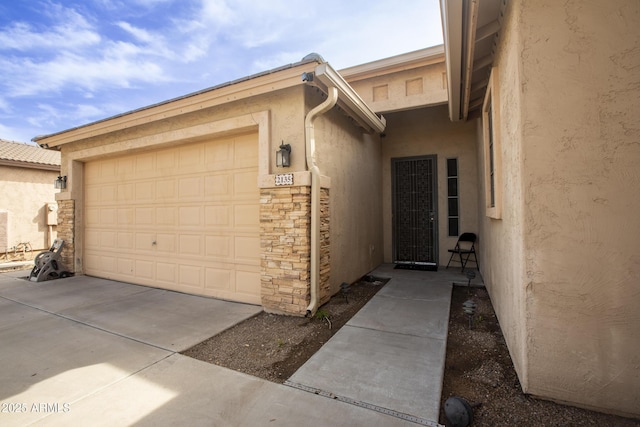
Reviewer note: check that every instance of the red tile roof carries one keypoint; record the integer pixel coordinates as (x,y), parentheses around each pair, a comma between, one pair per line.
(18,152)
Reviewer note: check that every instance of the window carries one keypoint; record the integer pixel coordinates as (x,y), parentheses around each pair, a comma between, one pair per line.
(492,150)
(492,164)
(453,196)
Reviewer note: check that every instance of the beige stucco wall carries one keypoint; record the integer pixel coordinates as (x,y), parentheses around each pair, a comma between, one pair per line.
(428,131)
(561,265)
(501,249)
(402,90)
(25,193)
(351,159)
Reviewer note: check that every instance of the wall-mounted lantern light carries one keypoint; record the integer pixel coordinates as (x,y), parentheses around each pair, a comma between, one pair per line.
(283,156)
(60,182)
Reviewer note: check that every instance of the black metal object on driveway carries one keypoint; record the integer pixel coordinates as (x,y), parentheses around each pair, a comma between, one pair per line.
(48,265)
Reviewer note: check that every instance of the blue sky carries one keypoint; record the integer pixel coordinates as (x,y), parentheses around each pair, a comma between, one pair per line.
(68,63)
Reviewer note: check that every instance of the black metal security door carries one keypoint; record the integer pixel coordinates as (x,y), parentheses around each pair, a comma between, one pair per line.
(414,210)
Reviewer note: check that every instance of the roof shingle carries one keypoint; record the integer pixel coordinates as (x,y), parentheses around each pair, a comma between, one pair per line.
(25,153)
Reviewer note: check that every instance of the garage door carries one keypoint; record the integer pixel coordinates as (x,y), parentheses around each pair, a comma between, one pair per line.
(183,218)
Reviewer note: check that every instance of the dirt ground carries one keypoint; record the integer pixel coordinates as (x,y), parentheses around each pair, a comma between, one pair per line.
(478,367)
(273,346)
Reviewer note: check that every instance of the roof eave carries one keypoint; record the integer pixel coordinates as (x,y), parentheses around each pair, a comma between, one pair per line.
(470,31)
(349,100)
(406,61)
(29,165)
(452,29)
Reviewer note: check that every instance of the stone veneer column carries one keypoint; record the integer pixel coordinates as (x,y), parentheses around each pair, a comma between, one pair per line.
(285,246)
(66,232)
(325,247)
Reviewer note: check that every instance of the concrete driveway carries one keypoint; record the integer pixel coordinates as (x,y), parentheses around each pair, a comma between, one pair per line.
(87,351)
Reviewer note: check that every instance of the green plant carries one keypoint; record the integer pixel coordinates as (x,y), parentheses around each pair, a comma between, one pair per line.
(323,314)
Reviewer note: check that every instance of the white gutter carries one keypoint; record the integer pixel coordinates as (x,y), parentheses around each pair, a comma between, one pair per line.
(338,92)
(350,100)
(468,60)
(451,12)
(310,148)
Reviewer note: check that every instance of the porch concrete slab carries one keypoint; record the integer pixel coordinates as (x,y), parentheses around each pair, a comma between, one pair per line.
(183,391)
(166,319)
(424,287)
(421,318)
(49,360)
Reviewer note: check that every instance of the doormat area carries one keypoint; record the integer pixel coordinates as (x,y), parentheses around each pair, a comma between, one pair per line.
(420,267)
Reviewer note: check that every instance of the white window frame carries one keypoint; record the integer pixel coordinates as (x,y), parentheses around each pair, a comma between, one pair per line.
(457,197)
(492,149)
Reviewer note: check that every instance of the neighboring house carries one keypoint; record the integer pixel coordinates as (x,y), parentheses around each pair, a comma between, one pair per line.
(186,194)
(27,176)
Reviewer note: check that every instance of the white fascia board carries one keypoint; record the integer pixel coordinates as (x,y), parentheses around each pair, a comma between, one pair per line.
(350,100)
(406,61)
(451,12)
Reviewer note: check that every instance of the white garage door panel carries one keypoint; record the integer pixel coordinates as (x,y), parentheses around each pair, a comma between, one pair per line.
(184,218)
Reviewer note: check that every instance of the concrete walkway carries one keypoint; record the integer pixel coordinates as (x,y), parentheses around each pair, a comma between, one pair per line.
(86,351)
(390,356)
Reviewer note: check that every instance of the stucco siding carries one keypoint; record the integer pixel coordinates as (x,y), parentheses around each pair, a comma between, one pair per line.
(287,125)
(403,90)
(581,156)
(561,264)
(502,240)
(428,131)
(25,193)
(351,159)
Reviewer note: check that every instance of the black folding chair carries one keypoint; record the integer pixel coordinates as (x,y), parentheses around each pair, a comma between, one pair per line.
(465,247)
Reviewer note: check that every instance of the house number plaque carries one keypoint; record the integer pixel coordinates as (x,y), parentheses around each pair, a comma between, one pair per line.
(284,179)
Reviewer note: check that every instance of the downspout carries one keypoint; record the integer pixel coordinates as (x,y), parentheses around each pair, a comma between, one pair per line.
(310,148)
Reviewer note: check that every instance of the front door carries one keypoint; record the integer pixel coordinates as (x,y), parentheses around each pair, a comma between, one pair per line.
(414,211)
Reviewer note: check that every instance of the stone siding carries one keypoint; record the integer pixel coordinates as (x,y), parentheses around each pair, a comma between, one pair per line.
(325,247)
(66,231)
(285,245)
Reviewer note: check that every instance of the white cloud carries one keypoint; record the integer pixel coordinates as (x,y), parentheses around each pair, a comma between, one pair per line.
(46,116)
(22,36)
(76,63)
(151,3)
(69,30)
(88,111)
(17,134)
(278,60)
(117,67)
(5,106)
(138,33)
